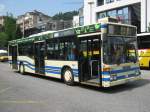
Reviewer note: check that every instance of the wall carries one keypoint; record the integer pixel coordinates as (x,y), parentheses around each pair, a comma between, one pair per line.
(96,9)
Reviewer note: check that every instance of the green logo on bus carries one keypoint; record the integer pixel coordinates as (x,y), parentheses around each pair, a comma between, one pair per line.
(88,29)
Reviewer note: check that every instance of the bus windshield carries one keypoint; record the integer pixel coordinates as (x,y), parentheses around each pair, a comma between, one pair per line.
(117,50)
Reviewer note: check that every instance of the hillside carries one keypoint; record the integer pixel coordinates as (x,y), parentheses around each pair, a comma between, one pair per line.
(65,16)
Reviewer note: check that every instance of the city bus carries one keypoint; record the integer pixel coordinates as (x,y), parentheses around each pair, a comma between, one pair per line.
(102,54)
(144,49)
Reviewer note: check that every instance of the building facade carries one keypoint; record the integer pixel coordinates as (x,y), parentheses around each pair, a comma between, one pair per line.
(55,25)
(78,20)
(35,22)
(30,22)
(2,19)
(135,12)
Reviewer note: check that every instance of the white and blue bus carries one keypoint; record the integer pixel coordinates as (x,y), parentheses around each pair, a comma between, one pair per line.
(103,54)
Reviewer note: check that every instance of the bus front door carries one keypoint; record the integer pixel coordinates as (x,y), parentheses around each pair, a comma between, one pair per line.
(14,57)
(90,64)
(39,50)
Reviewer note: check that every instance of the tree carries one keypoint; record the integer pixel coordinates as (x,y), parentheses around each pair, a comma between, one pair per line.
(3,39)
(65,16)
(10,27)
(18,32)
(10,31)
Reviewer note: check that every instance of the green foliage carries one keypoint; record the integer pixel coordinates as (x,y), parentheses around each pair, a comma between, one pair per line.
(3,39)
(10,27)
(18,32)
(65,16)
(10,31)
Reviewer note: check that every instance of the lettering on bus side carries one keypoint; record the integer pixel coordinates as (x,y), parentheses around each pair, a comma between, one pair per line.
(88,29)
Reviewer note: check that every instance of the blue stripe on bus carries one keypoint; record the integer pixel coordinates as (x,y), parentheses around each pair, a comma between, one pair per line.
(51,67)
(105,79)
(118,71)
(103,25)
(120,77)
(54,71)
(106,73)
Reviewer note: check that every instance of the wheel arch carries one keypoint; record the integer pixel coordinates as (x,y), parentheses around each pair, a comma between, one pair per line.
(63,69)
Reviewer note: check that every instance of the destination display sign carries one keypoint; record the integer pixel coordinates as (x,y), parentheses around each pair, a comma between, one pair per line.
(121,30)
(88,29)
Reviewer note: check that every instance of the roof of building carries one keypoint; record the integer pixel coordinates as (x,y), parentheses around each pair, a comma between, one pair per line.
(34,12)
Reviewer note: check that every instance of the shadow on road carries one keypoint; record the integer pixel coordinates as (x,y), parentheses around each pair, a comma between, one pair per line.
(44,77)
(112,90)
(120,88)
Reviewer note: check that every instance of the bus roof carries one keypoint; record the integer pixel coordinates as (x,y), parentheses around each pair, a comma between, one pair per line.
(143,34)
(54,34)
(81,30)
(42,33)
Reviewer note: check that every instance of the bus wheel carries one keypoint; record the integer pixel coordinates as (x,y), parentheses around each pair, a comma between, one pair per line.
(68,77)
(21,69)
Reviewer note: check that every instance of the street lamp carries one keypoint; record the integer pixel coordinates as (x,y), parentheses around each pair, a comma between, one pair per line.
(90,2)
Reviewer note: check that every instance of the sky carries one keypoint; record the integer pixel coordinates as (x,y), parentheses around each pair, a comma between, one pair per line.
(49,7)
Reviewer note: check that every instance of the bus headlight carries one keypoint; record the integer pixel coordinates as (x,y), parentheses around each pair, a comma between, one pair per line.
(137,72)
(113,77)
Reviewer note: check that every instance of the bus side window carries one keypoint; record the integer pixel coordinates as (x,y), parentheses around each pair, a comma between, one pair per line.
(72,52)
(50,51)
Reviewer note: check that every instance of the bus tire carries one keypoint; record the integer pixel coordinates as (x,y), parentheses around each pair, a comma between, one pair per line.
(68,77)
(22,69)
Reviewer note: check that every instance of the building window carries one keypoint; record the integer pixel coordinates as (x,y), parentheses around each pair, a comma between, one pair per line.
(122,14)
(112,13)
(81,21)
(109,1)
(102,15)
(100,2)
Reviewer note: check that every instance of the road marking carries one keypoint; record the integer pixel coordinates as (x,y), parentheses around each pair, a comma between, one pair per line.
(4,90)
(21,102)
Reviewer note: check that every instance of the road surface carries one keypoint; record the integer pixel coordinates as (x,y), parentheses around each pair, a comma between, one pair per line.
(29,93)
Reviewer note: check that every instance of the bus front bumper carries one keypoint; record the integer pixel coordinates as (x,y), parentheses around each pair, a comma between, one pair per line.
(119,82)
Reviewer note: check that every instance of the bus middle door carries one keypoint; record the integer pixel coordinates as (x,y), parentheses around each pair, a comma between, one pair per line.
(90,64)
(14,57)
(39,54)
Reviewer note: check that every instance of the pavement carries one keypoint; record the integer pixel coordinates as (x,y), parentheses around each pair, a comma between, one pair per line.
(31,93)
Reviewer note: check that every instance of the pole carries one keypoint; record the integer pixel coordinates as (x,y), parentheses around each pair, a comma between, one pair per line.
(90,3)
(90,13)
(146,15)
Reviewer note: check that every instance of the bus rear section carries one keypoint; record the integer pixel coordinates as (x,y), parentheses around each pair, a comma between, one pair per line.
(144,49)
